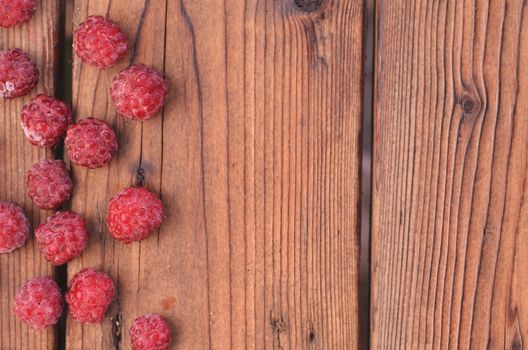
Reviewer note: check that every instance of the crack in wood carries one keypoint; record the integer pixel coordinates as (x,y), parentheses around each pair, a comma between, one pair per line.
(116,330)
(279,327)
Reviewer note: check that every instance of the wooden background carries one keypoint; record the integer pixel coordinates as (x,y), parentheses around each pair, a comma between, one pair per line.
(449,217)
(38,37)
(256,158)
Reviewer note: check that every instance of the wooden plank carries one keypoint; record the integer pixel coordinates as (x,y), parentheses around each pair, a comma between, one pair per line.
(450,174)
(39,38)
(256,158)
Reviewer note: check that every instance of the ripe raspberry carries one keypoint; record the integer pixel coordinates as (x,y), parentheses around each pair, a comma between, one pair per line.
(133,214)
(90,143)
(15,12)
(139,92)
(18,73)
(49,183)
(38,302)
(14,227)
(45,120)
(150,332)
(62,237)
(99,42)
(89,295)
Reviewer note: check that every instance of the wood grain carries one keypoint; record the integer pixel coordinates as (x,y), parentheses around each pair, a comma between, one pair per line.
(449,267)
(39,38)
(256,157)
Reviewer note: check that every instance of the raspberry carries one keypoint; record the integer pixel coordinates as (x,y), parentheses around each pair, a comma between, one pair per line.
(45,120)
(38,302)
(62,237)
(89,295)
(90,143)
(18,73)
(99,42)
(15,12)
(150,332)
(139,92)
(49,183)
(14,227)
(133,214)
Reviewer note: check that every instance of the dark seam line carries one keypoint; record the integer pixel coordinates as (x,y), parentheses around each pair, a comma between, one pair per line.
(64,92)
(365,142)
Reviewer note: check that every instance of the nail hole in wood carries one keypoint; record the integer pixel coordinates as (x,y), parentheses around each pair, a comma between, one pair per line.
(311,337)
(140,176)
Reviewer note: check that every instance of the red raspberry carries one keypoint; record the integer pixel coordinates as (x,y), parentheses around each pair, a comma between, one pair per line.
(38,302)
(90,143)
(133,214)
(150,332)
(45,120)
(49,183)
(14,227)
(18,73)
(99,42)
(62,237)
(139,92)
(89,295)
(15,12)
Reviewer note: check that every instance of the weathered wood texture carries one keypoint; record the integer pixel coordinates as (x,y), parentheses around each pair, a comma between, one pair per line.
(450,220)
(256,157)
(39,38)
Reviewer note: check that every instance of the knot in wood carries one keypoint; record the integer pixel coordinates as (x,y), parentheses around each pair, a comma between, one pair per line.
(309,5)
(470,105)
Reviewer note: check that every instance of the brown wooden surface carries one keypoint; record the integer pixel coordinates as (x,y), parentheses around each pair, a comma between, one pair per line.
(39,38)
(256,158)
(450,220)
